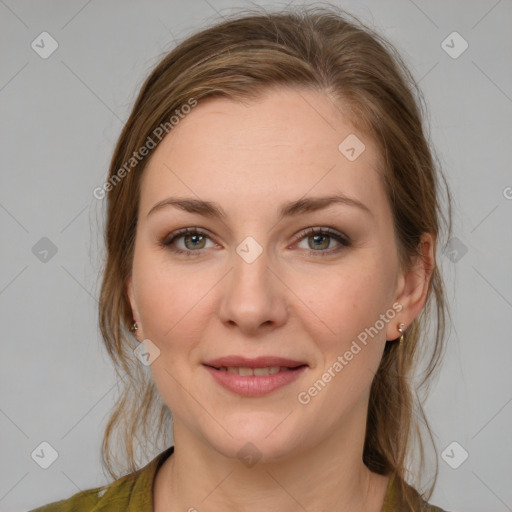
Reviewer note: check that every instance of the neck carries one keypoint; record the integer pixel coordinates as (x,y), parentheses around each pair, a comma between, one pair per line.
(328,476)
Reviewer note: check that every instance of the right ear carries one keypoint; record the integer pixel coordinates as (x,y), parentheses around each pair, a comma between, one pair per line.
(131,297)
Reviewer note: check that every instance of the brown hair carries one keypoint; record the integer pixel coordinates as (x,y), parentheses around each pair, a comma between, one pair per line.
(327,50)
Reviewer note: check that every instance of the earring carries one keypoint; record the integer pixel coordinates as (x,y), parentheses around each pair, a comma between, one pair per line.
(134,326)
(400,329)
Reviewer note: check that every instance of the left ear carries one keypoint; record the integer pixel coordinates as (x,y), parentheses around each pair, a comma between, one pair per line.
(413,285)
(135,314)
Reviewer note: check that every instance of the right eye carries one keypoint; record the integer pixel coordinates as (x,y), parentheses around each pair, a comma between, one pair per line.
(193,241)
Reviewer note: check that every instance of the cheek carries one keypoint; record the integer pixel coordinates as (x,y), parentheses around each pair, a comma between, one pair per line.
(174,311)
(342,312)
(344,300)
(168,295)
(345,307)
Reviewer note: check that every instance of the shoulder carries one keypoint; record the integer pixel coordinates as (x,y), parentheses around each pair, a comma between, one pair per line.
(401,497)
(82,501)
(132,492)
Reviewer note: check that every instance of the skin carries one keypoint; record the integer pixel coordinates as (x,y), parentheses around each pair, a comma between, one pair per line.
(251,158)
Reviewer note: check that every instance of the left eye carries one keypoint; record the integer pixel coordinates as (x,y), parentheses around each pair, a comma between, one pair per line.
(321,238)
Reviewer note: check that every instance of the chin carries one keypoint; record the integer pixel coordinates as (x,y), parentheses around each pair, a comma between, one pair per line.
(256,451)
(256,442)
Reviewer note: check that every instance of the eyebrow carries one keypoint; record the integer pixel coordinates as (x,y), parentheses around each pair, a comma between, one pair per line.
(300,206)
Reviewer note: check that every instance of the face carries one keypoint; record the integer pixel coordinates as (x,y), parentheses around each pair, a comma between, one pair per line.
(254,283)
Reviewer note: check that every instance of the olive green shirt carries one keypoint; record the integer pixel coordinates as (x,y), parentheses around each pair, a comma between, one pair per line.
(134,493)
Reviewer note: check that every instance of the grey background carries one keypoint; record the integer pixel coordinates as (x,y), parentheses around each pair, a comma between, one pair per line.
(59,120)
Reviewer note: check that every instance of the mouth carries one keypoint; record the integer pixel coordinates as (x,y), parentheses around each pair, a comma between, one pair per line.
(254,377)
(245,372)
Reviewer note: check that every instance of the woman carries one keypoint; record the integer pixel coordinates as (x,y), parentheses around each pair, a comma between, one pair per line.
(273,217)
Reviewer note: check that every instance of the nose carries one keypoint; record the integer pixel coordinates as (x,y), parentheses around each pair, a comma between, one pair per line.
(254,297)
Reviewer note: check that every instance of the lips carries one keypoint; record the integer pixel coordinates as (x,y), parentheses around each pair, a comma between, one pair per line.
(254,377)
(258,362)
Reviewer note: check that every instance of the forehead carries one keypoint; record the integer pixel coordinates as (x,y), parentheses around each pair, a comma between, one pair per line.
(286,144)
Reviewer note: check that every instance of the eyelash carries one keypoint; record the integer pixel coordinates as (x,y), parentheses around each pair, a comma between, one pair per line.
(339,237)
